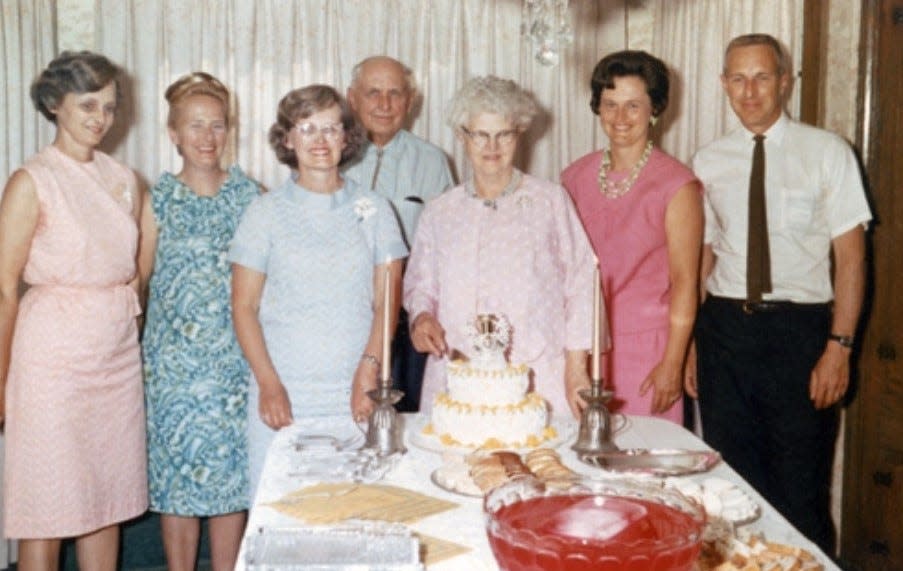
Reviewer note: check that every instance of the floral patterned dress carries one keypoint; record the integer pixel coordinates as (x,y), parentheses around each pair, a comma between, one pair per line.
(196,379)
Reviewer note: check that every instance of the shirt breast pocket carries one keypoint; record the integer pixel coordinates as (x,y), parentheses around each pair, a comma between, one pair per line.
(798,208)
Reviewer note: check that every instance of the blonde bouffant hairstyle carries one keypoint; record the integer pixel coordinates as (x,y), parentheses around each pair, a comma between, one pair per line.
(196,83)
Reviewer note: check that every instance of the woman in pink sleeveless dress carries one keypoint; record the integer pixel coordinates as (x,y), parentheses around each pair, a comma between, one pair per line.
(74,412)
(642,211)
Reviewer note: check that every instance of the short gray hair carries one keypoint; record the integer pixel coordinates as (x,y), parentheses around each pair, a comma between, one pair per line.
(72,72)
(491,94)
(780,56)
(406,72)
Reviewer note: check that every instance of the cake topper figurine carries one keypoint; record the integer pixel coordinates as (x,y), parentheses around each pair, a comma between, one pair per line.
(489,336)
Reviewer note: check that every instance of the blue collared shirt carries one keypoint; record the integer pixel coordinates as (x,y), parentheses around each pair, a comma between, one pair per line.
(411,171)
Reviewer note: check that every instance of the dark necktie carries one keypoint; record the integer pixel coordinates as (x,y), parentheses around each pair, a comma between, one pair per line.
(758,260)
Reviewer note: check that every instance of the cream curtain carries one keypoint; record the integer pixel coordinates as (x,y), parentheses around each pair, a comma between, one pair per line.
(262,49)
(27,35)
(690,37)
(28,38)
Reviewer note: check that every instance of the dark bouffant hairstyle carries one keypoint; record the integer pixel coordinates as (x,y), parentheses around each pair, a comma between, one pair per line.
(196,83)
(637,63)
(72,72)
(302,103)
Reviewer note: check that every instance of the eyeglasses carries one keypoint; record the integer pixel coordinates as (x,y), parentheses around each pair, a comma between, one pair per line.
(481,138)
(309,131)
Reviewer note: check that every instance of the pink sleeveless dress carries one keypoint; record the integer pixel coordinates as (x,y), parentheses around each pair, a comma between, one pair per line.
(628,236)
(75,438)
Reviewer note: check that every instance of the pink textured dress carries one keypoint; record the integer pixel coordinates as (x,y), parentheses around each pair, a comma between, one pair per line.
(526,258)
(628,235)
(75,440)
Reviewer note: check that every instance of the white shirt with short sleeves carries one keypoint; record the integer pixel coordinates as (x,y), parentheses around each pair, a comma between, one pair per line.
(814,193)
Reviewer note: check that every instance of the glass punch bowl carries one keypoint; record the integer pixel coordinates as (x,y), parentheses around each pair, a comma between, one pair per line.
(595,524)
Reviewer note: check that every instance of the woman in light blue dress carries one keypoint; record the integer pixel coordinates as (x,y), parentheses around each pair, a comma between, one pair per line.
(195,375)
(308,264)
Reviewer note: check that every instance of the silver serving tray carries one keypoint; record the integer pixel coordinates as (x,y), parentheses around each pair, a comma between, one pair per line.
(374,546)
(654,461)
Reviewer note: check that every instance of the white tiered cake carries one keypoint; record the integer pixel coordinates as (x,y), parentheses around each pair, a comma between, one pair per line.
(487,404)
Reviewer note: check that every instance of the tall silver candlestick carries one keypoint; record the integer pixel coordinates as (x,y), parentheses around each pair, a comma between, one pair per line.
(383,429)
(594,435)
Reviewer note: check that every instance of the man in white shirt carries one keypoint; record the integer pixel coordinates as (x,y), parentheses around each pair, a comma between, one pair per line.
(774,338)
(406,170)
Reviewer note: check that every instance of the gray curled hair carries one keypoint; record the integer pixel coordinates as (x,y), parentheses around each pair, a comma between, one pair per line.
(491,94)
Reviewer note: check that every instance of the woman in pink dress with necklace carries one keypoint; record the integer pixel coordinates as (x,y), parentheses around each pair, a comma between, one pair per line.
(69,358)
(642,210)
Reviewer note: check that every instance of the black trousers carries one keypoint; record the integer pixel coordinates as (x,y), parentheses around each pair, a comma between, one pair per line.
(753,375)
(407,366)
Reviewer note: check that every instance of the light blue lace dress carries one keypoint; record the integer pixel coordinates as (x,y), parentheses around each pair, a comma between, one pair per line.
(318,252)
(196,379)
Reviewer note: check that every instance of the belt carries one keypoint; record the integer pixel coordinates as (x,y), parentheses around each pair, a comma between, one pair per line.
(768,305)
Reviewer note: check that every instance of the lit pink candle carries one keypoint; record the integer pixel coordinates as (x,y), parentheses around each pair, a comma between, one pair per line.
(387,303)
(597,308)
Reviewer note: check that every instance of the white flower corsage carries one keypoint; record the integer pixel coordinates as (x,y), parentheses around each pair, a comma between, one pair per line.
(364,208)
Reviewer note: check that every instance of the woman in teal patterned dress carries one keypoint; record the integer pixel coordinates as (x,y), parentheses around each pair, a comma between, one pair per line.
(195,375)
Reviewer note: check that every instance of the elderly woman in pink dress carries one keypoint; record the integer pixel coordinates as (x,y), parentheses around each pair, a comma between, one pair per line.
(642,210)
(506,243)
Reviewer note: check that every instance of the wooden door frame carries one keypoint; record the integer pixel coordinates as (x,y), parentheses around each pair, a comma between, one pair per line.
(873,480)
(814,45)
(862,536)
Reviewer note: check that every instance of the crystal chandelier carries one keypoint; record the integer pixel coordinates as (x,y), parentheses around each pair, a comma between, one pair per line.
(545,24)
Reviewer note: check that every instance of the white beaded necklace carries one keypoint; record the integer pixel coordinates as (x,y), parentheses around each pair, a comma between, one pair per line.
(611,189)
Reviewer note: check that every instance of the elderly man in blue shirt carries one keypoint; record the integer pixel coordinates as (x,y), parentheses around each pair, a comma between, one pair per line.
(403,168)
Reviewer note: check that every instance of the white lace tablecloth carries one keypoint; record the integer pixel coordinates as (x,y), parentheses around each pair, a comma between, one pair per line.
(465,525)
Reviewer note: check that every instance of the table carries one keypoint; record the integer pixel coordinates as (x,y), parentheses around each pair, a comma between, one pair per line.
(465,524)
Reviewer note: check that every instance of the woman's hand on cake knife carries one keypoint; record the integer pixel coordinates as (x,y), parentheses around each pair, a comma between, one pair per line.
(427,335)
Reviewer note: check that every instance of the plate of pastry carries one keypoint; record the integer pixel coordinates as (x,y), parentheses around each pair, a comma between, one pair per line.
(720,498)
(454,476)
(476,474)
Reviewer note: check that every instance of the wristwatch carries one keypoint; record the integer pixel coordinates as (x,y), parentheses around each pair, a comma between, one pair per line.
(843,340)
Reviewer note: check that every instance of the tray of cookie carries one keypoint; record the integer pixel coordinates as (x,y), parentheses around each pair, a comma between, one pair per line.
(725,550)
(477,473)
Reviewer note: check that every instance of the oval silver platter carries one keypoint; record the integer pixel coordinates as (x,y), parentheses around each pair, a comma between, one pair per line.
(654,461)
